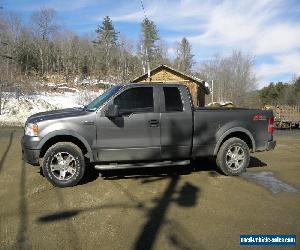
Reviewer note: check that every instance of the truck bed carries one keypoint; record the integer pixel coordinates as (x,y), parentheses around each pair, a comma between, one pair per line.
(212,124)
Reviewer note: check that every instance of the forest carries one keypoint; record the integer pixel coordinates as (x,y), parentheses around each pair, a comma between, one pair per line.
(42,50)
(281,93)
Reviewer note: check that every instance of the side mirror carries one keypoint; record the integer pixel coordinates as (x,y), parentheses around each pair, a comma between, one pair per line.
(112,111)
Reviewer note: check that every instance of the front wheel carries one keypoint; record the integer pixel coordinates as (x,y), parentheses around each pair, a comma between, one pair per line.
(233,157)
(63,164)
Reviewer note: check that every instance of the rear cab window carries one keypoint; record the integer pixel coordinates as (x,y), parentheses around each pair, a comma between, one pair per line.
(173,99)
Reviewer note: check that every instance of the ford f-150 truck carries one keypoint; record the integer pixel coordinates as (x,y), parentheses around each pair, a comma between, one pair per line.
(143,125)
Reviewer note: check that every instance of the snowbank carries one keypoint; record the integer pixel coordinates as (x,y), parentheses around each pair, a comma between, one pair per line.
(15,112)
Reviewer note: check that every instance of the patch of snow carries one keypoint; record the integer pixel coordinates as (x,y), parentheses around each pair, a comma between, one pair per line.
(90,81)
(16,111)
(51,84)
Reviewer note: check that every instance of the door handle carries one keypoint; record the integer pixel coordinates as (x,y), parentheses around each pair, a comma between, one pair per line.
(153,123)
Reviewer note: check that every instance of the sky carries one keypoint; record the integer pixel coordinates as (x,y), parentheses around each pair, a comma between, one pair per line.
(267,29)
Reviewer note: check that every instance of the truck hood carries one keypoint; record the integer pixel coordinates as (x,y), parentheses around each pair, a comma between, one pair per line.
(57,114)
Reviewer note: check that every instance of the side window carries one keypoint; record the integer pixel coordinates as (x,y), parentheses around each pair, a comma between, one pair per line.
(173,101)
(138,99)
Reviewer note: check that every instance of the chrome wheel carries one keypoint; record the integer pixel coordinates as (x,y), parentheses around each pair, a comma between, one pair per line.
(63,166)
(235,157)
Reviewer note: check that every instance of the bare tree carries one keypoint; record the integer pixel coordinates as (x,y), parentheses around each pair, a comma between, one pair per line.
(44,23)
(44,28)
(10,27)
(184,58)
(233,76)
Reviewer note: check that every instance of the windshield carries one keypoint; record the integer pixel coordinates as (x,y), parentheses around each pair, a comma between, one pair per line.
(96,103)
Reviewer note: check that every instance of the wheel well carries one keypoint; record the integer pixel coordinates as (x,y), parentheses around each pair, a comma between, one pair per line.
(241,135)
(62,138)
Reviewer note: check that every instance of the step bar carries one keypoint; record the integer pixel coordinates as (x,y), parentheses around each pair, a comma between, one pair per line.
(142,165)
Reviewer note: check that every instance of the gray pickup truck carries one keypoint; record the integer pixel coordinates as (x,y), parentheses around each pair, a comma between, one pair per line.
(143,125)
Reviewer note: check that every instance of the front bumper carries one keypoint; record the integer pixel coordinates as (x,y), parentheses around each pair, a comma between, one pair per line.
(30,152)
(31,156)
(270,145)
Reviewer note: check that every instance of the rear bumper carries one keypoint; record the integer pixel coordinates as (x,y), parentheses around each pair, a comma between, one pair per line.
(270,145)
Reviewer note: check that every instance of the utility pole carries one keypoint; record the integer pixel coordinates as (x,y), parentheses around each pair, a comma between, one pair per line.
(212,91)
(146,50)
(148,63)
(142,59)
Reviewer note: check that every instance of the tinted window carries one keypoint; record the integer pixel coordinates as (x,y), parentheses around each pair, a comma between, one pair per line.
(136,100)
(173,100)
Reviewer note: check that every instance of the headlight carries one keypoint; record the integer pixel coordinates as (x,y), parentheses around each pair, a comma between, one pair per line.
(31,129)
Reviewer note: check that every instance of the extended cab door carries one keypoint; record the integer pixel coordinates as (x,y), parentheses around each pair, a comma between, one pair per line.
(176,122)
(135,134)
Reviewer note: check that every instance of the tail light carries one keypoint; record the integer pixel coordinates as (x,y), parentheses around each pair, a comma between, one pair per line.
(271,125)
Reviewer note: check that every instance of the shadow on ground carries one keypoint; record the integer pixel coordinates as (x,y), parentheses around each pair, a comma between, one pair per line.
(176,193)
(22,239)
(185,195)
(6,150)
(256,163)
(199,165)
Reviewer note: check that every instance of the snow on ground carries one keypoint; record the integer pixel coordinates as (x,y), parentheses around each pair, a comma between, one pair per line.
(66,100)
(16,111)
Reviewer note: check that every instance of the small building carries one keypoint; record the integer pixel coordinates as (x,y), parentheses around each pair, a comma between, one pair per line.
(166,74)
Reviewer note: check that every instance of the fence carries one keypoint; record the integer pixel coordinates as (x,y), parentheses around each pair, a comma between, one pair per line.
(287,116)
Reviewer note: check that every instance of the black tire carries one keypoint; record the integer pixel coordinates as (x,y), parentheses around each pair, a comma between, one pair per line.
(227,154)
(65,151)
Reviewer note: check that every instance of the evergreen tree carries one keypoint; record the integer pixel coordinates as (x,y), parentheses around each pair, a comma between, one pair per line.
(184,58)
(107,44)
(107,35)
(150,50)
(297,89)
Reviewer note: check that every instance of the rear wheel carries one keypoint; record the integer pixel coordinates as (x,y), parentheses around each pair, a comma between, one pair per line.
(233,157)
(63,164)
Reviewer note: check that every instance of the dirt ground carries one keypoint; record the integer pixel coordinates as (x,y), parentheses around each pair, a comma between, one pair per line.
(195,208)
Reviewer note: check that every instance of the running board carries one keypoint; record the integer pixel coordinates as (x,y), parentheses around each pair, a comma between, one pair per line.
(142,165)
